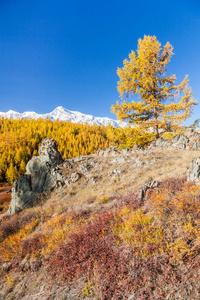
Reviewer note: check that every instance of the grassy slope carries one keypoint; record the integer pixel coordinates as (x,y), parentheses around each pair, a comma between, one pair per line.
(102,241)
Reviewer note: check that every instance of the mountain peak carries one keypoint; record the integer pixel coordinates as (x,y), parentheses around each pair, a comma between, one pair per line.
(59,108)
(63,114)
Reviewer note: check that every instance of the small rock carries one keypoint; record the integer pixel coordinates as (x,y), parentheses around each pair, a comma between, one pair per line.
(24,264)
(139,163)
(75,177)
(68,182)
(68,164)
(111,151)
(120,159)
(131,297)
(6,267)
(78,159)
(114,172)
(93,180)
(84,168)
(125,151)
(142,191)
(94,164)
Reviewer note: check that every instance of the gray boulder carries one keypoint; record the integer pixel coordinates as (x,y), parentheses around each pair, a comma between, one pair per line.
(194,170)
(22,194)
(41,174)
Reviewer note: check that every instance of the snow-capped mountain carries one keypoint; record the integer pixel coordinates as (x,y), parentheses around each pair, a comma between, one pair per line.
(63,114)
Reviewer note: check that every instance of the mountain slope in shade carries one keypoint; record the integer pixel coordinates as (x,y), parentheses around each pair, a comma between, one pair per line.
(62,114)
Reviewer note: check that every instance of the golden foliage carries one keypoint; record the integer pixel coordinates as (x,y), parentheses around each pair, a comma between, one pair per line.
(140,231)
(20,139)
(177,212)
(129,137)
(144,74)
(169,224)
(12,245)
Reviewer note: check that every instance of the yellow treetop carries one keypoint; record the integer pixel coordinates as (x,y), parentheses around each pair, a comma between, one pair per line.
(144,74)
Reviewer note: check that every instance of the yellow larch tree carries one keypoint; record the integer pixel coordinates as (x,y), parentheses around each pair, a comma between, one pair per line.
(162,104)
(11,173)
(22,167)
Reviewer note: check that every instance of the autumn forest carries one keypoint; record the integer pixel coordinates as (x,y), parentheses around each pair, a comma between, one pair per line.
(20,139)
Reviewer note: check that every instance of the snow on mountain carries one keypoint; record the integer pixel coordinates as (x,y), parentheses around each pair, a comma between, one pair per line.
(63,114)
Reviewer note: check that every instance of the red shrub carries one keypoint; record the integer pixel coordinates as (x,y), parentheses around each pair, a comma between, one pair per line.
(92,249)
(32,245)
(9,226)
(172,185)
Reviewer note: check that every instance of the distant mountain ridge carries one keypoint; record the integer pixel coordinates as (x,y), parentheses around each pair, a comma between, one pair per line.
(62,114)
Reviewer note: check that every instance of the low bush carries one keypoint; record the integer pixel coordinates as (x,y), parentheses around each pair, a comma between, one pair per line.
(93,253)
(31,246)
(12,224)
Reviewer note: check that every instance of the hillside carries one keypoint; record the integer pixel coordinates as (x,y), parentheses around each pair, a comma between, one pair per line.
(126,228)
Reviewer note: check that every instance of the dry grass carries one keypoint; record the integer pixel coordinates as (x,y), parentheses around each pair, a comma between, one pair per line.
(141,167)
(151,165)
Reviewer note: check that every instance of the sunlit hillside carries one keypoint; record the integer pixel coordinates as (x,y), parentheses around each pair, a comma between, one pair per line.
(101,238)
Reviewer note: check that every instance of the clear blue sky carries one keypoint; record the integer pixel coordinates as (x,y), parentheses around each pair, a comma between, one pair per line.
(60,52)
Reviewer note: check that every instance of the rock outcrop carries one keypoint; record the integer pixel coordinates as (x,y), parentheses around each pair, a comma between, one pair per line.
(42,173)
(190,139)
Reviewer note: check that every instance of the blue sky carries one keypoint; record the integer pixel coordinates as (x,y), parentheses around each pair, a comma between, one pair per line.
(60,52)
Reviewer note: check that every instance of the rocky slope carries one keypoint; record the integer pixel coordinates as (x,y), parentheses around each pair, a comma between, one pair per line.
(97,206)
(48,170)
(190,139)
